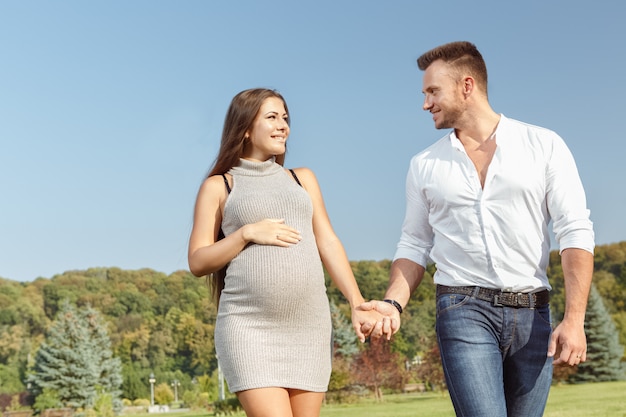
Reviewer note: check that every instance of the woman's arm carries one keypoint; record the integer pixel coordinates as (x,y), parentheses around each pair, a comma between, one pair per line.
(333,254)
(207,254)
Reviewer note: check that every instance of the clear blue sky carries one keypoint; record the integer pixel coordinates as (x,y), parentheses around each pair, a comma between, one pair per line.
(111,111)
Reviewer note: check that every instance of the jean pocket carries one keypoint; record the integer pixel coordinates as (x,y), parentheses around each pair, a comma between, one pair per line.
(543,314)
(447,302)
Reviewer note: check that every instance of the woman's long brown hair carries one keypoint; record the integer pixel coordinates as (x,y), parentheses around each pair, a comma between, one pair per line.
(240,116)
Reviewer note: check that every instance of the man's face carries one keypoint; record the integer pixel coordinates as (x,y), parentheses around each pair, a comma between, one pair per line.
(443,96)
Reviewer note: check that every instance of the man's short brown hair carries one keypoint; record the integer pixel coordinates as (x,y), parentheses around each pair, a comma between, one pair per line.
(462,56)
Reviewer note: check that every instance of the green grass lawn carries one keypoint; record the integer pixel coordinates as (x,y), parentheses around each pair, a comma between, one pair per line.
(397,405)
(603,399)
(606,399)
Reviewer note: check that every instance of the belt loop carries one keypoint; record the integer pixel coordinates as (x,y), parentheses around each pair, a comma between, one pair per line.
(476,291)
(531,301)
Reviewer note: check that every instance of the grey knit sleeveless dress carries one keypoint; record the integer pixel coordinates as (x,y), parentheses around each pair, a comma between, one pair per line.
(273,325)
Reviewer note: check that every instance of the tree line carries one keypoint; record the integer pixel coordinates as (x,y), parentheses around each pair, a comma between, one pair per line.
(160,325)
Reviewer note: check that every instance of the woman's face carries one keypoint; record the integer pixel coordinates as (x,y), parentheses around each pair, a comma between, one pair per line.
(269,132)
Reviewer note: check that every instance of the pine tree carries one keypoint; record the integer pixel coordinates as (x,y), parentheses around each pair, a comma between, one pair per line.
(345,340)
(108,370)
(75,360)
(603,349)
(62,363)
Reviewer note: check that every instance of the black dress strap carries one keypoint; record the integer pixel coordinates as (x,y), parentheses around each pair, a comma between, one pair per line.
(295,176)
(226,182)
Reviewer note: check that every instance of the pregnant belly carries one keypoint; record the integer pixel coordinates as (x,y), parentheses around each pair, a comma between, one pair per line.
(270,280)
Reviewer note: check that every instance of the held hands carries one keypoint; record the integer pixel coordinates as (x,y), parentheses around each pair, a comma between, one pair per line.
(365,319)
(271,232)
(387,324)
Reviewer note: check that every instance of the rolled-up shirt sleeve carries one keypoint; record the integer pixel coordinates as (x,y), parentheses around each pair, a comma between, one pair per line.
(566,201)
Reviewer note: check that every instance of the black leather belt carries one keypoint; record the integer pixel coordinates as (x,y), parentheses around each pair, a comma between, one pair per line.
(499,298)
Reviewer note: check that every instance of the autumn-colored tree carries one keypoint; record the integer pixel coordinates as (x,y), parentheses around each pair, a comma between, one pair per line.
(193,340)
(132,340)
(12,340)
(377,367)
(22,322)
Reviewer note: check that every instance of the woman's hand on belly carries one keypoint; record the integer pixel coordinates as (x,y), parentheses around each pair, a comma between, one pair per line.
(271,232)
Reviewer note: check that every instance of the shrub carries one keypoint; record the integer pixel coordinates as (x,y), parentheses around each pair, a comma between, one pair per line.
(227,407)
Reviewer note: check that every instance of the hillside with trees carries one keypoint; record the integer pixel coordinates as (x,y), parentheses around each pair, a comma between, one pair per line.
(143,323)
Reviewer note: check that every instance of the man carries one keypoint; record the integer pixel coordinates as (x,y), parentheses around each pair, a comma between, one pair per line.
(479,203)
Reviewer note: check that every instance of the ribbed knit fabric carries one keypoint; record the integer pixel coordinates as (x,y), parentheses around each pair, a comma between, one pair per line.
(273,325)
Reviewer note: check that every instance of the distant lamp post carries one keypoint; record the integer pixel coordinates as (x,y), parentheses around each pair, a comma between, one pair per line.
(175,384)
(152,381)
(220,382)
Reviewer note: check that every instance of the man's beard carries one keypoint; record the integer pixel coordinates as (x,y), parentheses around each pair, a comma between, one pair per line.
(450,118)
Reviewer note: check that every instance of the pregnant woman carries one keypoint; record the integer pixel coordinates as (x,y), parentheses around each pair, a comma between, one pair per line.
(263,234)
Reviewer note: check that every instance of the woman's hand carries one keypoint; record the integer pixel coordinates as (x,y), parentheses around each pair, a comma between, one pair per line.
(271,232)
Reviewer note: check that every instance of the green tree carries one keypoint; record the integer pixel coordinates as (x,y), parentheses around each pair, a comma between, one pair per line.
(104,406)
(74,362)
(10,380)
(62,363)
(48,398)
(133,386)
(163,394)
(107,369)
(55,295)
(603,349)
(417,332)
(429,370)
(344,336)
(208,384)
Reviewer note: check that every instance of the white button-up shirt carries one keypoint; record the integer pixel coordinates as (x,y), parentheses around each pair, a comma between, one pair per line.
(494,236)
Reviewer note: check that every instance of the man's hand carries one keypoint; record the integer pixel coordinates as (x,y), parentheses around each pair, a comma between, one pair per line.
(388,323)
(364,321)
(568,344)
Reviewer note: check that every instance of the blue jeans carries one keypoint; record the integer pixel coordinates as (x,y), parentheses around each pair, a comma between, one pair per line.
(494,358)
